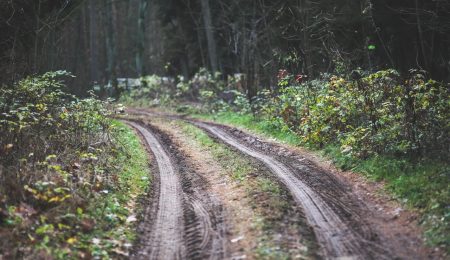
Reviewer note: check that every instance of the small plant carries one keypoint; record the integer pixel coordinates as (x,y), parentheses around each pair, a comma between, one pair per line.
(59,172)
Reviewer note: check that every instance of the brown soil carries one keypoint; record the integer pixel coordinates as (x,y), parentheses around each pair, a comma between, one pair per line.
(182,222)
(351,216)
(243,206)
(238,216)
(389,230)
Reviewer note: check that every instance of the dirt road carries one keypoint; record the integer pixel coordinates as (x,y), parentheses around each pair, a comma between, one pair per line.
(336,238)
(182,225)
(346,226)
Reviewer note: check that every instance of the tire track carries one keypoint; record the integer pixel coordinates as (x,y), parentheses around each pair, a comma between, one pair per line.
(187,220)
(354,225)
(166,241)
(335,236)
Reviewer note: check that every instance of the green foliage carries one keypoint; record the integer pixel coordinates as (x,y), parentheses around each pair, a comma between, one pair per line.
(215,94)
(43,114)
(377,114)
(154,90)
(60,181)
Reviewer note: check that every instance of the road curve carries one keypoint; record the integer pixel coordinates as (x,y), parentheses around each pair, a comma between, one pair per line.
(335,237)
(166,241)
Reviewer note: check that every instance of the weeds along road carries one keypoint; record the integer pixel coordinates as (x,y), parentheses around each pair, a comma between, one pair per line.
(181,225)
(342,226)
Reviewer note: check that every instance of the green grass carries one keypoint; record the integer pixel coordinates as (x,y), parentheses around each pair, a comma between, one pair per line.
(134,160)
(115,227)
(258,126)
(229,160)
(423,185)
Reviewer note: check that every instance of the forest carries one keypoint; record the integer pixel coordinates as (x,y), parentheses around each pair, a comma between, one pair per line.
(198,129)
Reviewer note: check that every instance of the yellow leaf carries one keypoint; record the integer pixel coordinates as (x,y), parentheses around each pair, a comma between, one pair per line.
(31,238)
(54,199)
(72,240)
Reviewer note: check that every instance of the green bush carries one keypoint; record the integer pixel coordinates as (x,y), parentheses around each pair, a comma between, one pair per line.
(41,125)
(57,154)
(379,113)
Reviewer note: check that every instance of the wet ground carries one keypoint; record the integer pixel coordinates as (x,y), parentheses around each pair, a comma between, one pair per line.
(196,211)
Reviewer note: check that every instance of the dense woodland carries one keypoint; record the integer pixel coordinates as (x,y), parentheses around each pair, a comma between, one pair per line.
(101,40)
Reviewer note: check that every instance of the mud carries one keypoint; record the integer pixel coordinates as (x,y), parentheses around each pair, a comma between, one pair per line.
(183,222)
(245,204)
(343,223)
(349,218)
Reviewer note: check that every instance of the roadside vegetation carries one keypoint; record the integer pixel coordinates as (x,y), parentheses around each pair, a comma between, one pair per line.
(385,126)
(68,186)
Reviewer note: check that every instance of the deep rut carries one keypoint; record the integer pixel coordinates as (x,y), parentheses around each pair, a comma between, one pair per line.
(346,225)
(186,220)
(335,236)
(167,234)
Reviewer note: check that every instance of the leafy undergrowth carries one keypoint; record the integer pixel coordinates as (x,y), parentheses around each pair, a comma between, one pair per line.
(67,184)
(115,210)
(423,185)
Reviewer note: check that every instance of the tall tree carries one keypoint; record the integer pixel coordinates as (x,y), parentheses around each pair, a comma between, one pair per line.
(209,30)
(140,65)
(111,46)
(93,41)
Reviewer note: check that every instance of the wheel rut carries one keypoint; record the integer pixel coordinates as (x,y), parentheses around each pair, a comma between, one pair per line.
(348,222)
(183,222)
(336,237)
(166,238)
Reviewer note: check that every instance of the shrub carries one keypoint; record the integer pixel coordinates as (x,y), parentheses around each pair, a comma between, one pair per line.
(55,156)
(378,113)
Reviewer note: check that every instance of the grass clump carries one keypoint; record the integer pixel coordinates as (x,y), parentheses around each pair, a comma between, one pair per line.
(259,126)
(423,185)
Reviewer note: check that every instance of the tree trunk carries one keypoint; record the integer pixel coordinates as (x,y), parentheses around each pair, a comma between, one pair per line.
(140,67)
(36,38)
(206,11)
(421,38)
(111,47)
(93,46)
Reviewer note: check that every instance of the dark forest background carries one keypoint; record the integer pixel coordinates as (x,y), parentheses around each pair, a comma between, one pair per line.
(104,39)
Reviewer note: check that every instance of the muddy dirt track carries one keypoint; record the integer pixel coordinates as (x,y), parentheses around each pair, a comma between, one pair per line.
(182,223)
(336,238)
(343,224)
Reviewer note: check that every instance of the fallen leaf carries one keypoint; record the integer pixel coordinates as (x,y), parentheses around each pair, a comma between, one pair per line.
(120,252)
(71,240)
(131,218)
(25,210)
(237,239)
(76,166)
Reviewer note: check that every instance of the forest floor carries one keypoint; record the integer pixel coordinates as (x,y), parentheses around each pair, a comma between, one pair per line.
(220,192)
